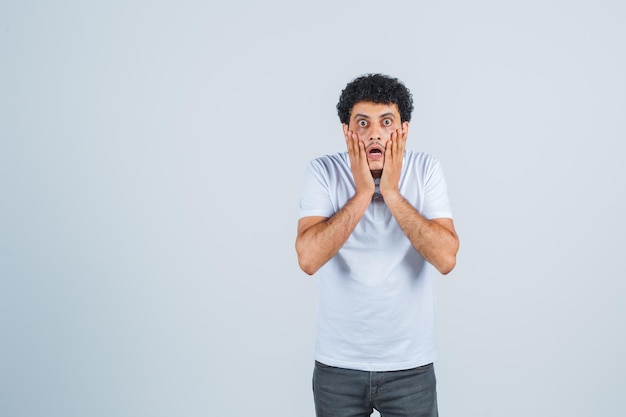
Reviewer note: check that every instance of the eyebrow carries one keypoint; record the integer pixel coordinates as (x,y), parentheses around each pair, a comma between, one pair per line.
(365,116)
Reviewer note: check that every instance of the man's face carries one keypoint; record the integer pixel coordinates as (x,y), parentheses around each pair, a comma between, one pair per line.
(374,123)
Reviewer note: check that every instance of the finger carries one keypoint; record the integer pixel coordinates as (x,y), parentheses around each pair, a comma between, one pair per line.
(353,151)
(355,140)
(402,135)
(390,142)
(394,142)
(358,146)
(352,141)
(356,152)
(402,142)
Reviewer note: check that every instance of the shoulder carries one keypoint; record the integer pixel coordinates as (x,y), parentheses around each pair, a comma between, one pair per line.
(339,158)
(420,161)
(330,163)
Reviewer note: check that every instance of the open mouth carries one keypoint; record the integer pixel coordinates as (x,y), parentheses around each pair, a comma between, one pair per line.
(375,152)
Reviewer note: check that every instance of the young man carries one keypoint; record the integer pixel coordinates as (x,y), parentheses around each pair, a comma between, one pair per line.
(374,221)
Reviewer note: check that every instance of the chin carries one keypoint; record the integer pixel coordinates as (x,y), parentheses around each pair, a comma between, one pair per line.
(376,167)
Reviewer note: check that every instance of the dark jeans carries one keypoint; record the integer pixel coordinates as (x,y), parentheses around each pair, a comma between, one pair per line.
(342,392)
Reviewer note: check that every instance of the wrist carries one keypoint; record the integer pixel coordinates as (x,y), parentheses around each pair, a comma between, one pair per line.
(364,194)
(391,196)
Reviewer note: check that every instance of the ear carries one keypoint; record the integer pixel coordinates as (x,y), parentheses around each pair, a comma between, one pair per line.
(345,129)
(405,127)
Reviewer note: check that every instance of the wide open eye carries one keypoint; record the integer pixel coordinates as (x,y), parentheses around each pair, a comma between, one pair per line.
(387,122)
(362,123)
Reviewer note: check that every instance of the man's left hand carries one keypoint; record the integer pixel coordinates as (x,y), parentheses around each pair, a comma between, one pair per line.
(392,168)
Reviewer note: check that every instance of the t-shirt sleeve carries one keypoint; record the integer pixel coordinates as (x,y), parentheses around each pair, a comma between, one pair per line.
(315,199)
(436,201)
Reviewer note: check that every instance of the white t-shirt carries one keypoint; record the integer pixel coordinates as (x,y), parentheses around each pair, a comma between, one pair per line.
(376,300)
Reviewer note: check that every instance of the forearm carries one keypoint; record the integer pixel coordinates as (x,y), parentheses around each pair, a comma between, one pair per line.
(436,243)
(318,243)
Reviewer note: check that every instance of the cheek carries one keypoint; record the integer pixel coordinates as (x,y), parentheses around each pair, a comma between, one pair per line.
(360,130)
(388,130)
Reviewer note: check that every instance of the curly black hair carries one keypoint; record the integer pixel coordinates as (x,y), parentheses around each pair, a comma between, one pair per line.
(378,88)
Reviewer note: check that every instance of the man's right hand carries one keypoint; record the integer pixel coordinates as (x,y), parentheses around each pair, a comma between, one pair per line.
(363,179)
(320,238)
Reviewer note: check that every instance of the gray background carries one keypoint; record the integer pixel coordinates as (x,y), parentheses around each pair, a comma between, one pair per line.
(150,163)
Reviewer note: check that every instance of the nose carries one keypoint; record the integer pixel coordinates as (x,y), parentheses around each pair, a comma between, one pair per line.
(374,135)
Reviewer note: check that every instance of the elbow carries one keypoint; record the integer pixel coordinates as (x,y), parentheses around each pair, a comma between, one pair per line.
(448,262)
(307,268)
(305,262)
(306,265)
(447,265)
